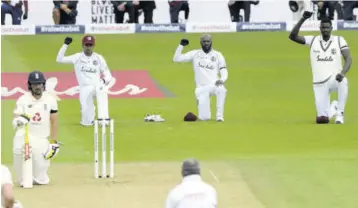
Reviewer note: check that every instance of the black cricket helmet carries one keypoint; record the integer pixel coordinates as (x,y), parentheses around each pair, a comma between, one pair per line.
(35,77)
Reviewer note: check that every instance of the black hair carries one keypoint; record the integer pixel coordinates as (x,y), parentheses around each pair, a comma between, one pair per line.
(326,20)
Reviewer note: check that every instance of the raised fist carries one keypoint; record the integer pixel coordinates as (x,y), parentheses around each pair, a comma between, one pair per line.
(68,40)
(307,14)
(184,42)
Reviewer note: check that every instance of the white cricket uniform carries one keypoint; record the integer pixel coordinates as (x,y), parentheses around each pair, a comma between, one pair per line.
(90,72)
(5,179)
(192,193)
(326,63)
(207,67)
(39,131)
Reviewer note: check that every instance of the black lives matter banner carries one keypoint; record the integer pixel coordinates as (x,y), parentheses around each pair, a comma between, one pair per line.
(102,12)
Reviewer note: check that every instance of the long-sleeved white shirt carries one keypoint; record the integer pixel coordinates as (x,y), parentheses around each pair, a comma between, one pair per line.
(207,66)
(89,70)
(192,193)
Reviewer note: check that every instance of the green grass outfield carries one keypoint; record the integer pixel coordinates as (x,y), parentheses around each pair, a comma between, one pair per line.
(267,153)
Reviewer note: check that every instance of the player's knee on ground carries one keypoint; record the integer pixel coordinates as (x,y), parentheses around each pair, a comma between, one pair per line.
(322,120)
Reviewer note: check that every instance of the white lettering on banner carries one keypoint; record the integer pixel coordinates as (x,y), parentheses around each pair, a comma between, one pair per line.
(210,27)
(350,24)
(170,28)
(263,26)
(110,28)
(102,12)
(60,29)
(17,30)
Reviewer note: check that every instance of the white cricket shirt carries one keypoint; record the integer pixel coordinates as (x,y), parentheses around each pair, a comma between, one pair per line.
(207,66)
(192,193)
(326,56)
(39,112)
(88,69)
(5,179)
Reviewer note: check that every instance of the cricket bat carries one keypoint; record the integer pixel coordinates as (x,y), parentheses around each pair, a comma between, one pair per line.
(27,179)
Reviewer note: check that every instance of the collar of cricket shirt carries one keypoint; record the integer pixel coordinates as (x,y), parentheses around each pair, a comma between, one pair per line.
(321,39)
(192,178)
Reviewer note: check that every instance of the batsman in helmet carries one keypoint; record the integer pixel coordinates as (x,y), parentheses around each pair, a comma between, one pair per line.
(36,124)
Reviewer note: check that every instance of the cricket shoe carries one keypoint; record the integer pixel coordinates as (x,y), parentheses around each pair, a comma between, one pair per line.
(90,124)
(334,108)
(220,120)
(339,118)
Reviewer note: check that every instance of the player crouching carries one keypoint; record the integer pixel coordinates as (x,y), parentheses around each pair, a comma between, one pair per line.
(35,119)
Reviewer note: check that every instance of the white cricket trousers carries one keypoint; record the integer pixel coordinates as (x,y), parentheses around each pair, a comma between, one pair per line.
(39,164)
(322,93)
(87,95)
(203,95)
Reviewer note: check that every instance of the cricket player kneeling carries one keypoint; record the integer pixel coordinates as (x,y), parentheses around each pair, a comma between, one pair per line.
(93,76)
(35,120)
(207,64)
(329,74)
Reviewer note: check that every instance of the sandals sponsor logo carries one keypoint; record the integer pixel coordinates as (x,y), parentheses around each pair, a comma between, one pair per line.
(63,85)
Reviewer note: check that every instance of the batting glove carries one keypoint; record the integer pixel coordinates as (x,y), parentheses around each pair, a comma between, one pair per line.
(20,121)
(52,150)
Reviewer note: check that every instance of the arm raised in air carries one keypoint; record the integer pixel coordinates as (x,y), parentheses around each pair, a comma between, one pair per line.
(61,58)
(186,57)
(296,29)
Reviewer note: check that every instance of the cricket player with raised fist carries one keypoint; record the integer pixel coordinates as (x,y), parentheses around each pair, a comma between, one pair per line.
(35,141)
(93,77)
(329,74)
(207,64)
(7,192)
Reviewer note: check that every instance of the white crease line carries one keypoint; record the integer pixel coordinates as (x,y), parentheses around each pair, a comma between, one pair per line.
(214,176)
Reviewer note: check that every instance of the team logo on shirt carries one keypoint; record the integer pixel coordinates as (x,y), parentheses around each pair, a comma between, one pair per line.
(324,59)
(95,62)
(29,106)
(45,107)
(213,59)
(333,51)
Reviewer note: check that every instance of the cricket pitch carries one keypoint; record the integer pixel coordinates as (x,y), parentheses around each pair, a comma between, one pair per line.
(134,185)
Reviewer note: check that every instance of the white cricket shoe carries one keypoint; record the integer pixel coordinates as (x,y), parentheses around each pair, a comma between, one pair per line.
(84,124)
(334,107)
(339,118)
